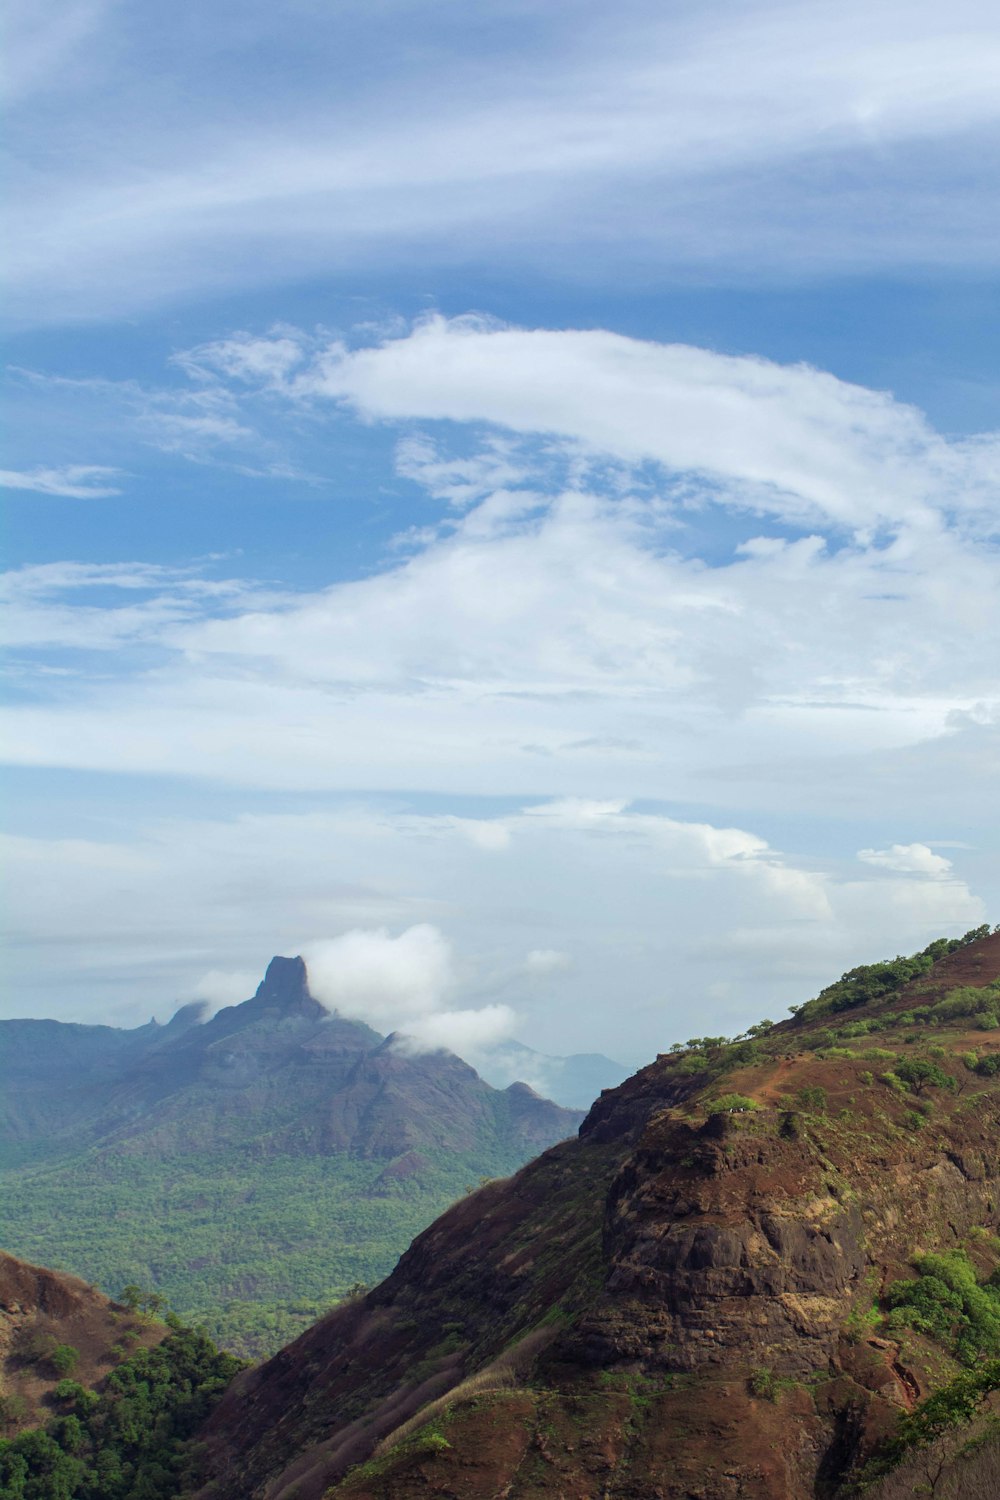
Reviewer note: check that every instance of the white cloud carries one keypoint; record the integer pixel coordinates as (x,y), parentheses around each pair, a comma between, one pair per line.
(908,859)
(790,441)
(46,604)
(402,984)
(726,137)
(76,481)
(467,1032)
(461,481)
(379,978)
(246,358)
(570,658)
(567,651)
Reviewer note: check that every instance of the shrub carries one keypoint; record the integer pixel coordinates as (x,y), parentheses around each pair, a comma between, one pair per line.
(764,1384)
(731,1104)
(68,1390)
(63,1359)
(13,1409)
(949,1303)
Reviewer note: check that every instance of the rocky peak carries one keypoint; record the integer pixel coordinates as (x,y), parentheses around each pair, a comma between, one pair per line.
(285,988)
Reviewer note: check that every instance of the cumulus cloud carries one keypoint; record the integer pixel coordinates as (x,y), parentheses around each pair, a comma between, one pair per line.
(379,978)
(908,859)
(402,984)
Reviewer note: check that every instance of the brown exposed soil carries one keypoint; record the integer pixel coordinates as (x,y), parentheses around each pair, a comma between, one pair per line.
(41,1309)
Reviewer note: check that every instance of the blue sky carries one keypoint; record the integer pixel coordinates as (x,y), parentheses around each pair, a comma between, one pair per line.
(501,499)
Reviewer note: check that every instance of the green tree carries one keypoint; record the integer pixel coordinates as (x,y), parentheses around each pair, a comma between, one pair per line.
(131,1296)
(63,1359)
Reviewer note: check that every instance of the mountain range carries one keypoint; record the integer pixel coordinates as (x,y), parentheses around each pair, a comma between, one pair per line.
(764,1269)
(252,1166)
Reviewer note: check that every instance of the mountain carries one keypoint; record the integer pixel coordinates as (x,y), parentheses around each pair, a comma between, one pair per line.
(252,1166)
(573,1081)
(750,1269)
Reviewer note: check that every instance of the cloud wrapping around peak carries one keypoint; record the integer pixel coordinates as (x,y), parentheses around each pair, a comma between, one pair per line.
(402,984)
(467,1032)
(375,977)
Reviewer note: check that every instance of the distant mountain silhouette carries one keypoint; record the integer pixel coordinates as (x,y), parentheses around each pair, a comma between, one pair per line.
(573,1081)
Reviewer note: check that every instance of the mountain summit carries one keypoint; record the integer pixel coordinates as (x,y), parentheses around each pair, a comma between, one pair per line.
(284,990)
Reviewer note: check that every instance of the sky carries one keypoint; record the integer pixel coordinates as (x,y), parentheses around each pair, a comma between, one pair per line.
(501,500)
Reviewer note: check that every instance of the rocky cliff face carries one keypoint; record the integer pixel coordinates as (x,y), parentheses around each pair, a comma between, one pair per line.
(686,1301)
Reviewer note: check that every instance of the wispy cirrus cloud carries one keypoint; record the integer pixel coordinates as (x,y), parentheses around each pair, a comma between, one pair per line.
(196,420)
(865,134)
(74,481)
